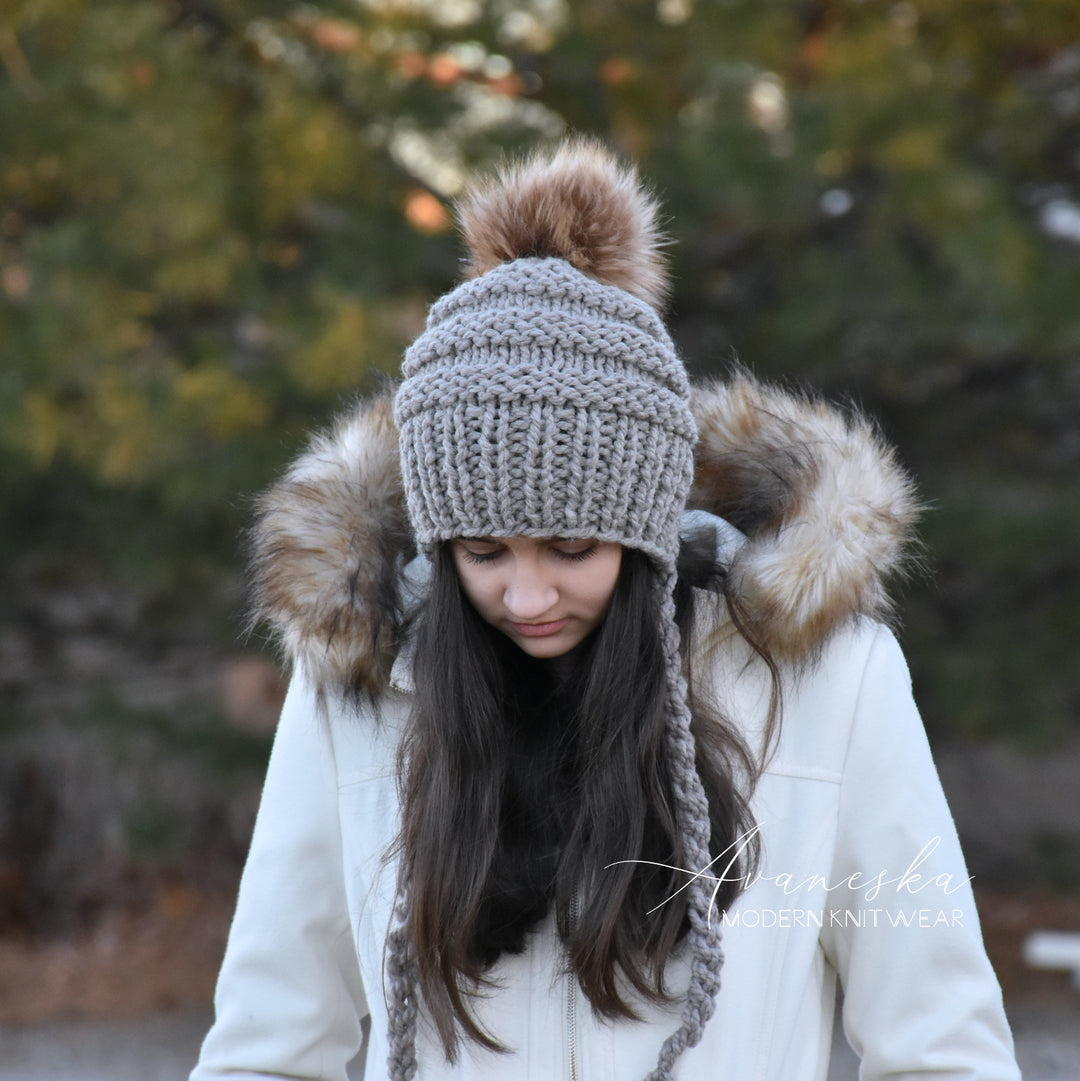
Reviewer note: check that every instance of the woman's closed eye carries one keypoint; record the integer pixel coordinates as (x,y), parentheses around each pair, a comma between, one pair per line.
(480,552)
(479,557)
(577,553)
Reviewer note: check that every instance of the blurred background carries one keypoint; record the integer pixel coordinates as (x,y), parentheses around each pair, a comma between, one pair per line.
(222,220)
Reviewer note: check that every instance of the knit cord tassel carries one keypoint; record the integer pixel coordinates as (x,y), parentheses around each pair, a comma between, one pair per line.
(402,996)
(692,820)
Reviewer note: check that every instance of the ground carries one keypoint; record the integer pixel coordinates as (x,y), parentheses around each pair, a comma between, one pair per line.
(161,958)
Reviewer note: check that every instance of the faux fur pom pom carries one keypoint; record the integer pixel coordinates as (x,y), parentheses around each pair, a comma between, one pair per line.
(578,204)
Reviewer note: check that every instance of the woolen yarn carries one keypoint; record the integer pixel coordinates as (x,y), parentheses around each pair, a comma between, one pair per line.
(540,402)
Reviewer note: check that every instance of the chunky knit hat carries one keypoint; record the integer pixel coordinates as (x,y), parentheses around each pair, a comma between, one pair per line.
(545,398)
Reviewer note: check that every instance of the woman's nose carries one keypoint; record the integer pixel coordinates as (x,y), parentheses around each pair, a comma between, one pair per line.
(528,597)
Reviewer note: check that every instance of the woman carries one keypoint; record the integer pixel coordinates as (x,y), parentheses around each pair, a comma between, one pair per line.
(590,691)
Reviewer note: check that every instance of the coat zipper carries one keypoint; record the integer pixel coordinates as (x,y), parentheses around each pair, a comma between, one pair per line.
(571,1001)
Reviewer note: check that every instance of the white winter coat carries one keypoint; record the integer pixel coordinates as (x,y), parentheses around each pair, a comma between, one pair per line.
(862,874)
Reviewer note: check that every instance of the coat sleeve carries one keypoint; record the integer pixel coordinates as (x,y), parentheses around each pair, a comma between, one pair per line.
(289,1000)
(920,997)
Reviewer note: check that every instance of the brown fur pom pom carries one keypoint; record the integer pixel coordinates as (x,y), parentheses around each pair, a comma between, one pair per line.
(578,204)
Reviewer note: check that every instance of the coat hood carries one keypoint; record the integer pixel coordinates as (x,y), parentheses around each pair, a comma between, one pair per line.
(826,509)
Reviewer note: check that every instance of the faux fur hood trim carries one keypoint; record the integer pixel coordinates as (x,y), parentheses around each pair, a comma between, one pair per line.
(826,509)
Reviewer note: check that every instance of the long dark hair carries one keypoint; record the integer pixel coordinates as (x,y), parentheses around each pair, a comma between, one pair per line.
(525,788)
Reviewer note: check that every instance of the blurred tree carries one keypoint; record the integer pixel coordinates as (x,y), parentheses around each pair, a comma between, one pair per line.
(217,217)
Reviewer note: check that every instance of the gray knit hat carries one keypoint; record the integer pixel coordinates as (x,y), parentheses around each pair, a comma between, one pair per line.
(541,402)
(545,398)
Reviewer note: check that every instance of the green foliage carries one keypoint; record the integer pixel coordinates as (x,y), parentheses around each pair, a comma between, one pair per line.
(219,220)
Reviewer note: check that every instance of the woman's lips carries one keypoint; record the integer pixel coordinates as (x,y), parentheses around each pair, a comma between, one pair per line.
(539,630)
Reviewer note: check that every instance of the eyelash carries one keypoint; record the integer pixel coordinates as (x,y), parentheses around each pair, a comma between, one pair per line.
(489,557)
(476,557)
(576,557)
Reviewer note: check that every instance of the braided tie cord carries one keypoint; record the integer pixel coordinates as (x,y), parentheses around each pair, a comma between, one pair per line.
(692,817)
(401,997)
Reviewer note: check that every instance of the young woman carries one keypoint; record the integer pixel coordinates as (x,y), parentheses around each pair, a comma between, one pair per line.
(597,761)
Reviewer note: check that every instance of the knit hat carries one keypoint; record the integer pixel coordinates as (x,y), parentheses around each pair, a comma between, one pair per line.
(545,398)
(541,400)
